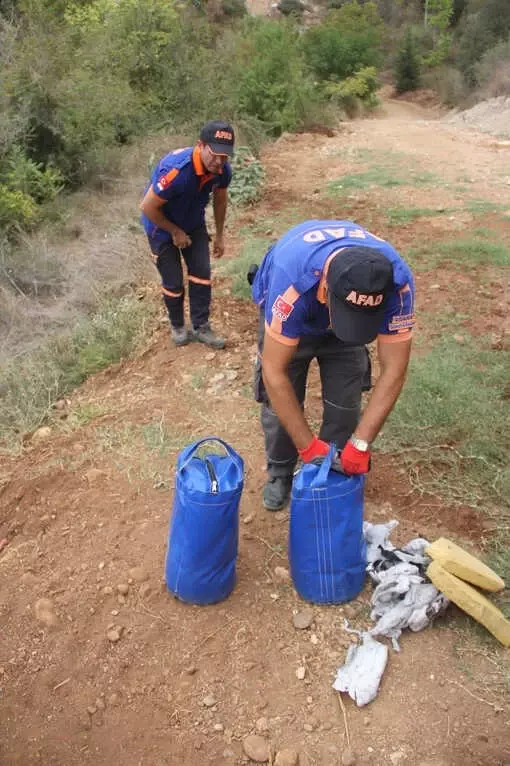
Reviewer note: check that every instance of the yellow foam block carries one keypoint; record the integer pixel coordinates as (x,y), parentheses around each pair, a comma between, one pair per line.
(470,601)
(461,563)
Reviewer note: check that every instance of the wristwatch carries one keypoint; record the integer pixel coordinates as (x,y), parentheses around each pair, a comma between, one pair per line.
(360,444)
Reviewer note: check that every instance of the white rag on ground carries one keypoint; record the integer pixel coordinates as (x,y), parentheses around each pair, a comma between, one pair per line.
(403,598)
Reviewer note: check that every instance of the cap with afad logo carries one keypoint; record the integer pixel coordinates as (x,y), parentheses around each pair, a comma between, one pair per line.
(219,136)
(359,281)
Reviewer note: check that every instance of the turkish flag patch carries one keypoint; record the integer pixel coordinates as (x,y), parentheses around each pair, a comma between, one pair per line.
(163,183)
(281,309)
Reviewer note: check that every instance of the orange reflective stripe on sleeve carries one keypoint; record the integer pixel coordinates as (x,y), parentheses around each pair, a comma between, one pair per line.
(279,337)
(170,293)
(199,281)
(290,295)
(397,338)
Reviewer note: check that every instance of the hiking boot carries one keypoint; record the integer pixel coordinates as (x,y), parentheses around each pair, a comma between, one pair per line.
(205,334)
(276,492)
(180,336)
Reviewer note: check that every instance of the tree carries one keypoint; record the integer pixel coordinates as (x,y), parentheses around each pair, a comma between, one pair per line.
(408,65)
(438,14)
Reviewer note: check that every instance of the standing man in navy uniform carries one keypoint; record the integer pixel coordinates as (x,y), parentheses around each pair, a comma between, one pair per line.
(325,289)
(173,216)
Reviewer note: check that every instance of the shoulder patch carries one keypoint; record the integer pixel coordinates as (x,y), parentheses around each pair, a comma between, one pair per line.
(164,181)
(282,309)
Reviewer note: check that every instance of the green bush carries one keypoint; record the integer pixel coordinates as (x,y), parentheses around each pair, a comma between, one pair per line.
(408,65)
(355,92)
(17,210)
(233,8)
(348,40)
(272,83)
(291,7)
(31,178)
(247,177)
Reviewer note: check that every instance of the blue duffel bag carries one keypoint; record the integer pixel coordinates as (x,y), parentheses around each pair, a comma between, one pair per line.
(327,551)
(202,546)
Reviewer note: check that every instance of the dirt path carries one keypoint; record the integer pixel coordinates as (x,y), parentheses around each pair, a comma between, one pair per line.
(86,515)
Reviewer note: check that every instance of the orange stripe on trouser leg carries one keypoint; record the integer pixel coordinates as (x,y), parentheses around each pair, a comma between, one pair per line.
(199,281)
(170,293)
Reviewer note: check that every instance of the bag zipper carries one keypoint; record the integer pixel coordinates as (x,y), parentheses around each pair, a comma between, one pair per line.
(212,476)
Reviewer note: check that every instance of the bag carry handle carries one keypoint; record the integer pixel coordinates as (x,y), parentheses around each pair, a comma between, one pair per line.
(325,467)
(228,449)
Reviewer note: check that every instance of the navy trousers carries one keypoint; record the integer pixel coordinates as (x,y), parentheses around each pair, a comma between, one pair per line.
(344,373)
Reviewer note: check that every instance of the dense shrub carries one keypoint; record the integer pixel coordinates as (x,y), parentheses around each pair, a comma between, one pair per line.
(273,85)
(356,92)
(247,178)
(408,65)
(349,39)
(493,71)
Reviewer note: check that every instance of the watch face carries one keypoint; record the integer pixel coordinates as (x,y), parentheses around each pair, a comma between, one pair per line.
(360,444)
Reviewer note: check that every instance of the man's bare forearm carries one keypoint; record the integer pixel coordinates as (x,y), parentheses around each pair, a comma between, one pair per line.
(220,212)
(286,406)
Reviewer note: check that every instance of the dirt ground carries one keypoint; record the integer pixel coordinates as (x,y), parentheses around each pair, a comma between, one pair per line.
(100,664)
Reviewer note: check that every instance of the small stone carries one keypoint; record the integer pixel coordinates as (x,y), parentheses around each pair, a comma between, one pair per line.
(287,757)
(99,704)
(45,612)
(348,758)
(262,725)
(138,574)
(218,727)
(107,590)
(314,639)
(100,565)
(210,356)
(249,518)
(91,709)
(113,699)
(41,434)
(256,748)
(303,619)
(113,635)
(123,588)
(209,701)
(300,673)
(308,727)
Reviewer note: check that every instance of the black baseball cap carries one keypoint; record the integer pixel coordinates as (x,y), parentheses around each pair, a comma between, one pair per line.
(359,282)
(219,136)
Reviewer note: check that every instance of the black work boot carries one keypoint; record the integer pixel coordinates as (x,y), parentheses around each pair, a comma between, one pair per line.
(205,334)
(276,492)
(180,336)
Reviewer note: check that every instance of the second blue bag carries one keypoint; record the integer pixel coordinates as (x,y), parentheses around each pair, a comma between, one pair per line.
(202,547)
(327,550)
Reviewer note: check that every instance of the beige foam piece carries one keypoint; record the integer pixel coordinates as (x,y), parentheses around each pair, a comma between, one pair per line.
(470,601)
(466,566)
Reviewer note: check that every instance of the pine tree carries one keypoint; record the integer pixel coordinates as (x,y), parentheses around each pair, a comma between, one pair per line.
(408,65)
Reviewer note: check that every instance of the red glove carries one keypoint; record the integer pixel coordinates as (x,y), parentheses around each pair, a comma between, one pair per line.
(315,449)
(354,460)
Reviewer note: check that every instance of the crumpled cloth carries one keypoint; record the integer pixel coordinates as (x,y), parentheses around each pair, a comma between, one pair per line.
(403,598)
(363,670)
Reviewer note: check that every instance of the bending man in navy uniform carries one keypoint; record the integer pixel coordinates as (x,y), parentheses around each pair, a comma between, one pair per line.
(325,289)
(173,216)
